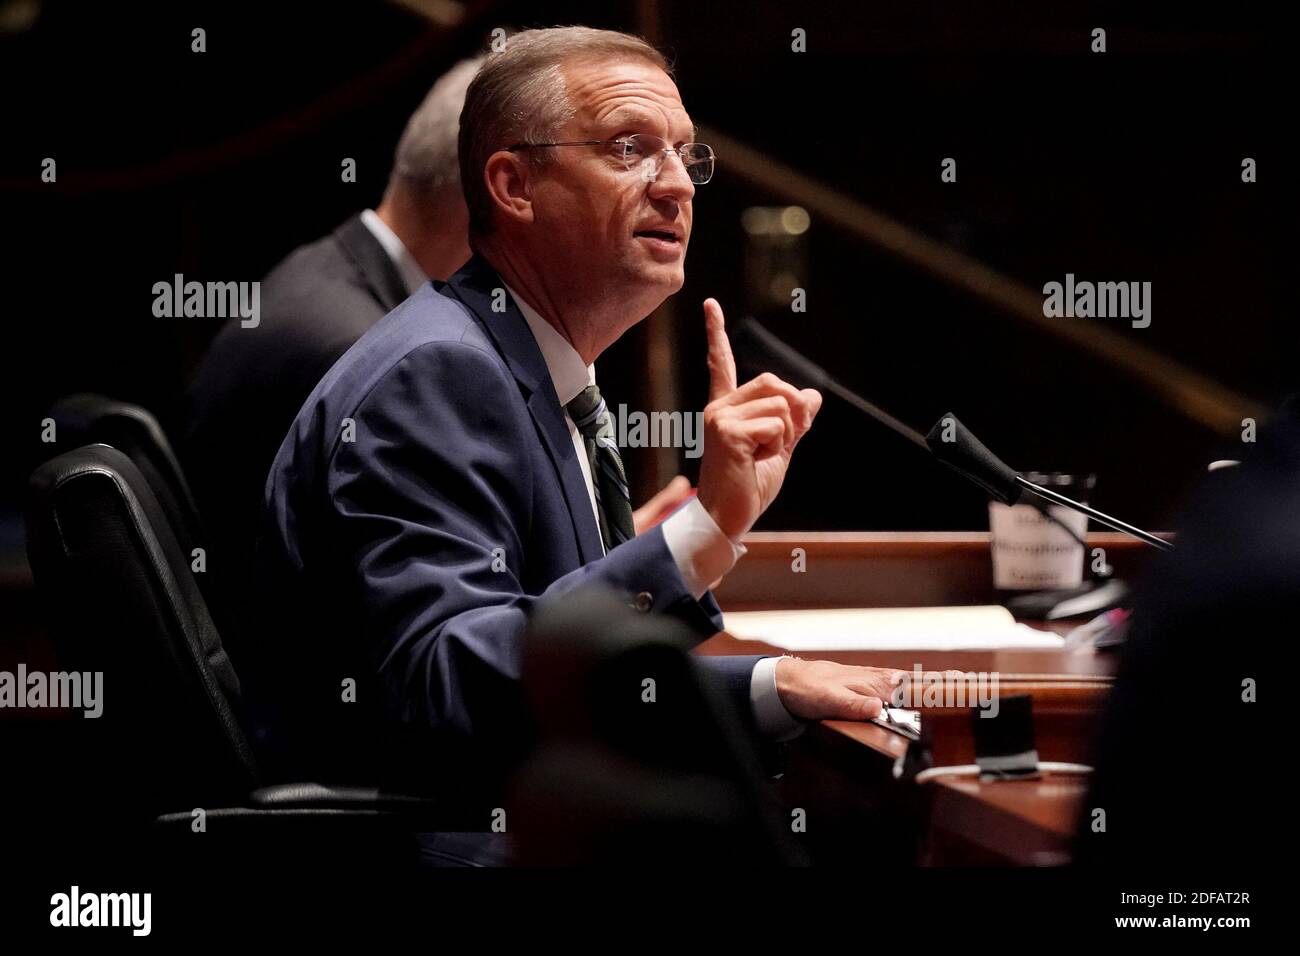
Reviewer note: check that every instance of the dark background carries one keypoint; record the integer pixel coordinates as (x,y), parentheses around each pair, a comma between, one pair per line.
(1119,166)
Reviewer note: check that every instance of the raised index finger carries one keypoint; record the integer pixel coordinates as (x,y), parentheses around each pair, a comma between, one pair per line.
(722,365)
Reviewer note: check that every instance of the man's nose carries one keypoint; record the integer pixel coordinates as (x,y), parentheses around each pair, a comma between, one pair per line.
(672,182)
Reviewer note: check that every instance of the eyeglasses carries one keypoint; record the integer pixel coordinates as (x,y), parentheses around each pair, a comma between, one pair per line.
(646,152)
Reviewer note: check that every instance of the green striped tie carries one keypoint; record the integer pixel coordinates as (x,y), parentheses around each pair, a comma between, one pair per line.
(613,505)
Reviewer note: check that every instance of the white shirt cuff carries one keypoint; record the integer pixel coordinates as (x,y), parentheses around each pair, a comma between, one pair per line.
(769,713)
(703,554)
(699,548)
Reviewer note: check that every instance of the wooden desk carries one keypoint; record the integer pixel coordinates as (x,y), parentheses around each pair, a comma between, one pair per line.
(843,771)
(1021,823)
(883,569)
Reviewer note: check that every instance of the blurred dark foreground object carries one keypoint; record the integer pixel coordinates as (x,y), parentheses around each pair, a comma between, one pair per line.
(639,760)
(1184,779)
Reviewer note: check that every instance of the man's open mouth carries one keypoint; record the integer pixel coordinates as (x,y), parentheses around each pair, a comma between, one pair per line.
(658,234)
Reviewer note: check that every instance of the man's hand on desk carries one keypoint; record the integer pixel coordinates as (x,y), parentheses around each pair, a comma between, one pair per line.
(824,690)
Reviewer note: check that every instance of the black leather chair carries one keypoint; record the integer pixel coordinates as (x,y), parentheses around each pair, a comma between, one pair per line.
(88,419)
(121,600)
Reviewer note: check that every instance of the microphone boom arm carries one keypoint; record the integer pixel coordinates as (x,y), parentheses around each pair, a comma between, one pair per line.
(1094,514)
(949,441)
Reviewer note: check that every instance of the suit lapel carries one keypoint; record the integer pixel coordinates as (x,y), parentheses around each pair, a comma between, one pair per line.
(476,286)
(372,262)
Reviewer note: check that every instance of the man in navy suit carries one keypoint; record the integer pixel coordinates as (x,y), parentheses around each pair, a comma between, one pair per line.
(456,467)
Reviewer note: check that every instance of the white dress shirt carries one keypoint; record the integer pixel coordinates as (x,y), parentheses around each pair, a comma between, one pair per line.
(412,275)
(700,550)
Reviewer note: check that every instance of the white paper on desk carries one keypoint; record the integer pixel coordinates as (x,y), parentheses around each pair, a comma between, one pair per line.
(977,628)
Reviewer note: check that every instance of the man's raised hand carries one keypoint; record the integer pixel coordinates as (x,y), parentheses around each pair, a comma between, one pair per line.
(750,433)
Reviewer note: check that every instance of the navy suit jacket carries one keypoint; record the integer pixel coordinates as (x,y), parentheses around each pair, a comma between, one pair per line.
(427,498)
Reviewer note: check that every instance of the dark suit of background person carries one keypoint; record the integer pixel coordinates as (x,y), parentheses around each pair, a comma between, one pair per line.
(379,551)
(1188,773)
(314,305)
(252,381)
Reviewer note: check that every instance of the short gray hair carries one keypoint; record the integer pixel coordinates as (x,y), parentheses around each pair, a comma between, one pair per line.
(426,153)
(519,96)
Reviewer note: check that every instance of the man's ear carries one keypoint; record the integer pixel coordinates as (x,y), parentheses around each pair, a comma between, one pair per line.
(508,177)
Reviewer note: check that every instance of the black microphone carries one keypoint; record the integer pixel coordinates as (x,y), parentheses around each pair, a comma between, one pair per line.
(954,445)
(949,441)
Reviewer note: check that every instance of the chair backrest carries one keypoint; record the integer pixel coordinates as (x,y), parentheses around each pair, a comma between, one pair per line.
(87,419)
(121,600)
